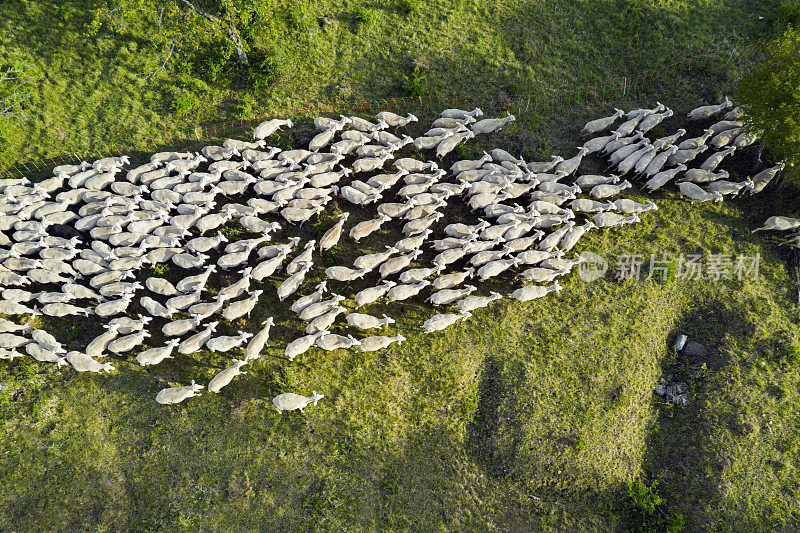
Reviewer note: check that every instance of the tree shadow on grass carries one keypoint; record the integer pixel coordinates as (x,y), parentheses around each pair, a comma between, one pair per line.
(485,439)
(680,454)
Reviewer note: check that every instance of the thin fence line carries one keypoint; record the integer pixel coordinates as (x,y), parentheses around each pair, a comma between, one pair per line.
(623,85)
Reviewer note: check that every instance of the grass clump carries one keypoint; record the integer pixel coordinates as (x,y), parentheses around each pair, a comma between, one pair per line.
(416,84)
(188,96)
(365,16)
(410,7)
(246,107)
(646,501)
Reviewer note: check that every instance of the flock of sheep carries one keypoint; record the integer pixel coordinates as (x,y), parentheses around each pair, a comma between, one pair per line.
(82,235)
(663,161)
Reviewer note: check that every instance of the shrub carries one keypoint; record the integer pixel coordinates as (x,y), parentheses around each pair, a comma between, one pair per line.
(296,17)
(267,68)
(768,92)
(246,107)
(417,84)
(195,85)
(332,257)
(788,12)
(283,142)
(213,68)
(75,332)
(644,497)
(410,6)
(646,501)
(184,102)
(365,16)
(320,226)
(232,233)
(187,96)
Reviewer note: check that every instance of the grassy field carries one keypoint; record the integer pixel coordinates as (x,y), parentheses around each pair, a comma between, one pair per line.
(526,417)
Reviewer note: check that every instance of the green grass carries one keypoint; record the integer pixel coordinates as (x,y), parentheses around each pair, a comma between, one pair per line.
(89,93)
(535,416)
(527,416)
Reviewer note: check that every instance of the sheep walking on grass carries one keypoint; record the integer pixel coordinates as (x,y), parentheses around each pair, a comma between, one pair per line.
(290,401)
(178,394)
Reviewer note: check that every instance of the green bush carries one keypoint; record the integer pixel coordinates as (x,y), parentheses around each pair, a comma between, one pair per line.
(75,331)
(647,501)
(284,142)
(195,85)
(296,17)
(246,107)
(331,257)
(644,497)
(320,226)
(213,68)
(267,68)
(768,92)
(365,16)
(233,232)
(186,97)
(184,102)
(788,12)
(417,84)
(410,6)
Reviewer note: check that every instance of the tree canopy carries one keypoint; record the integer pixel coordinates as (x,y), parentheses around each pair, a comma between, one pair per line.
(770,95)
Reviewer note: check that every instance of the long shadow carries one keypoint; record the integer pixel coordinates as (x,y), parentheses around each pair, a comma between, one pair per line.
(484,432)
(680,454)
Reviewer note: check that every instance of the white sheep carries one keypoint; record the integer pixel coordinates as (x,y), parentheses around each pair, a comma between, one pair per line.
(196,341)
(440,322)
(531,292)
(372,294)
(600,124)
(332,236)
(779,223)
(697,193)
(704,112)
(603,191)
(459,114)
(178,394)
(226,343)
(471,303)
(83,363)
(662,178)
(302,344)
(153,356)
(259,341)
(490,125)
(225,376)
(268,127)
(290,401)
(361,321)
(365,228)
(371,344)
(333,341)
(243,307)
(293,282)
